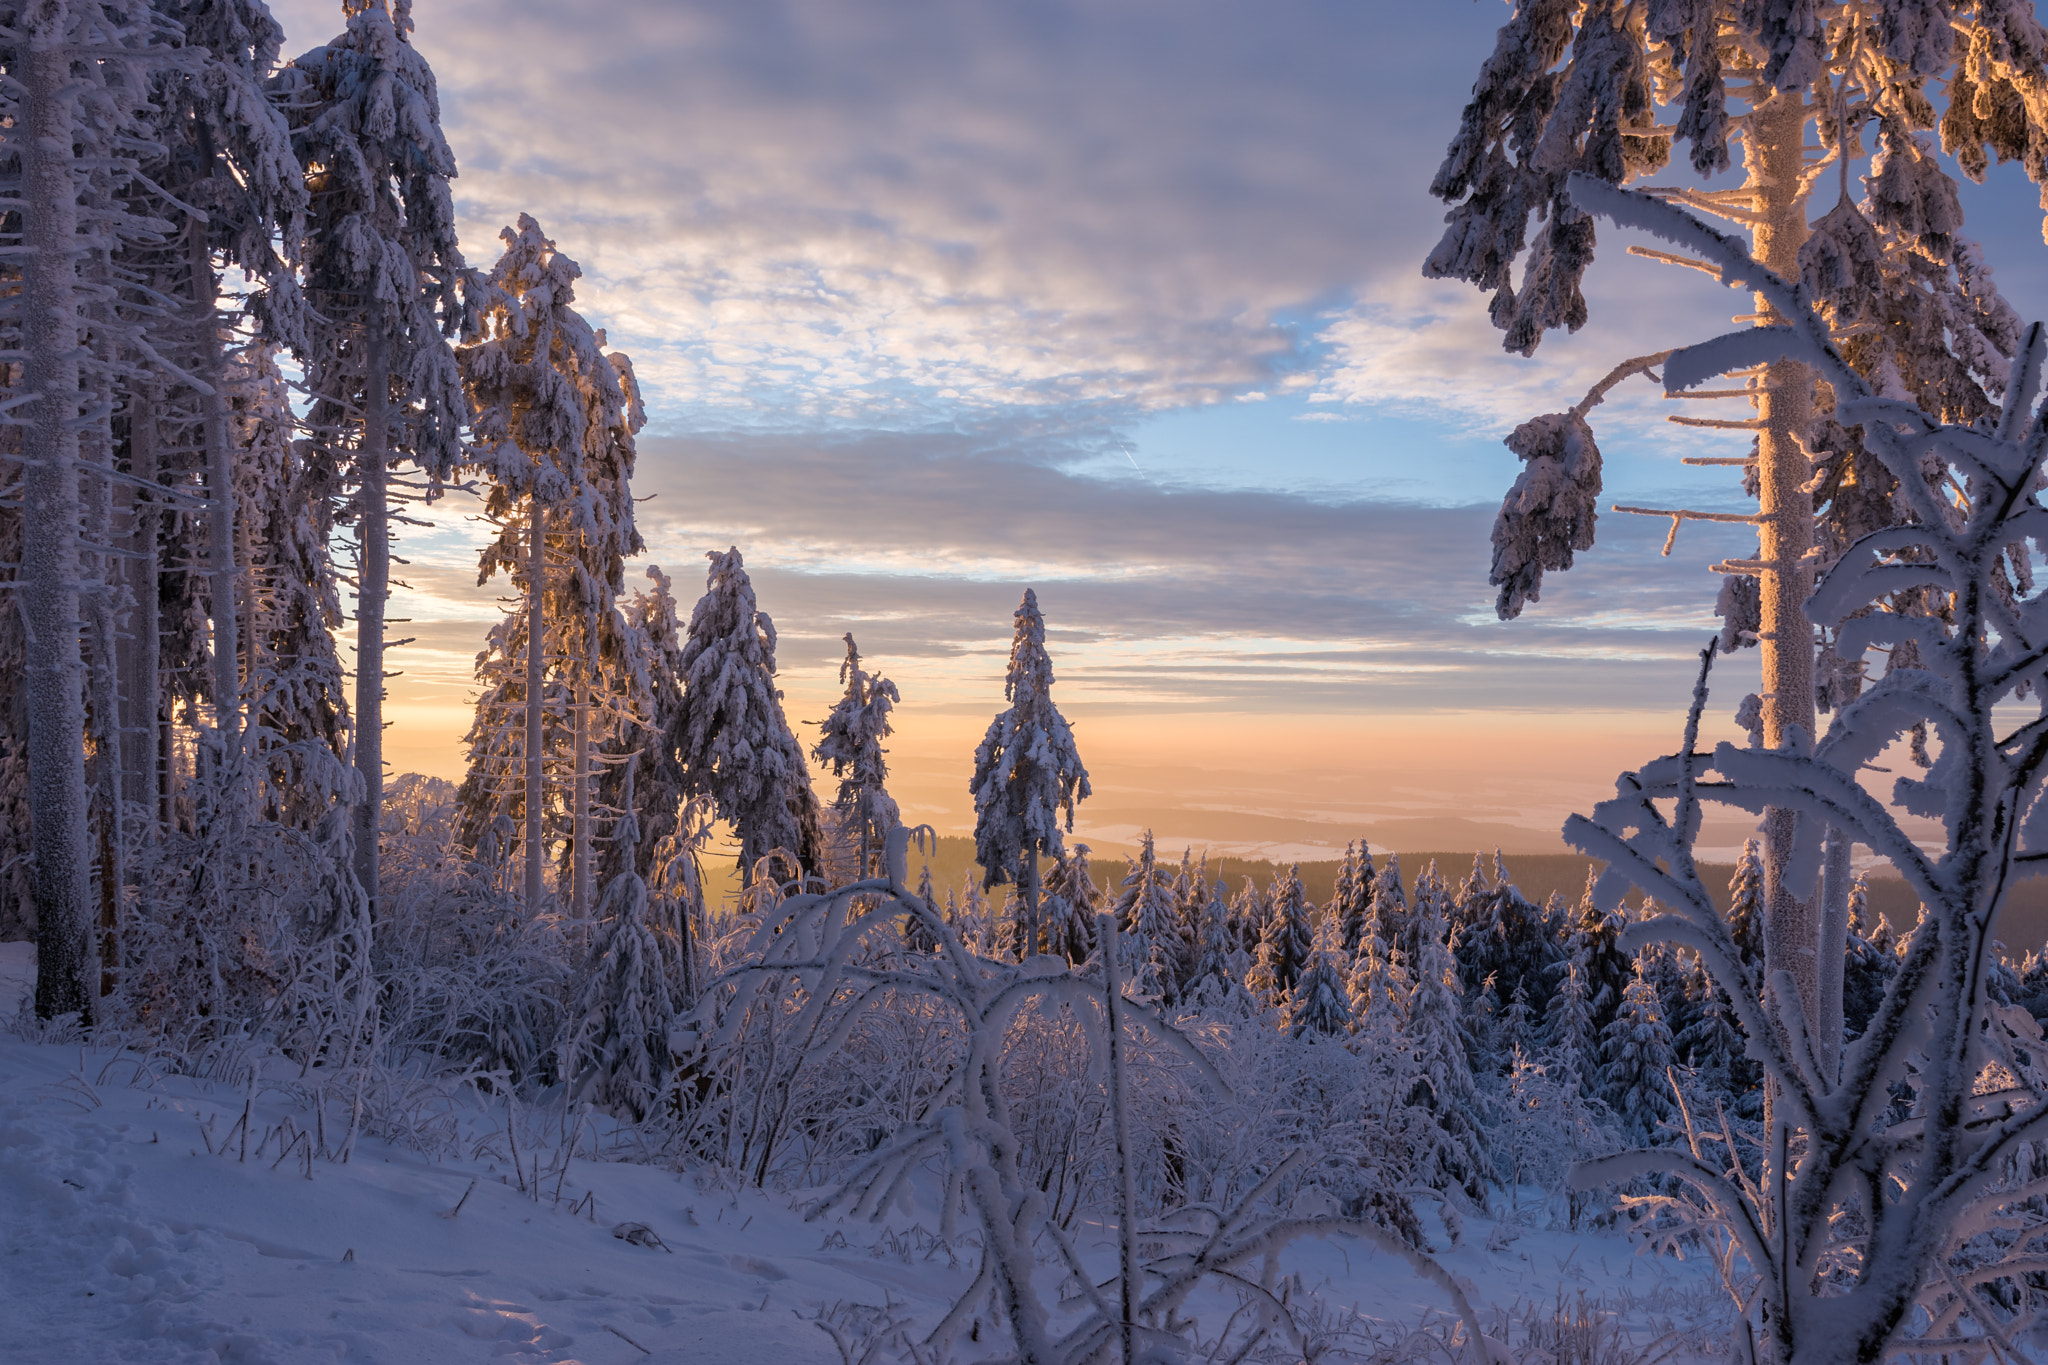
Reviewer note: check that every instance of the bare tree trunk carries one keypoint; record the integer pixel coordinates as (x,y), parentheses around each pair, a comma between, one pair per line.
(580,794)
(536,636)
(65,969)
(220,498)
(96,455)
(1029,890)
(1834,948)
(1774,154)
(1120,1104)
(140,686)
(373,586)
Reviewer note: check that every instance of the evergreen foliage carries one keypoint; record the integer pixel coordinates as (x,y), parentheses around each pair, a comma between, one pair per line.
(1028,775)
(735,743)
(850,745)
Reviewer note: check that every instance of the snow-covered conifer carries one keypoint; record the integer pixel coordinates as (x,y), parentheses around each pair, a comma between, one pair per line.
(1319,1003)
(736,744)
(1148,922)
(1746,902)
(1390,903)
(661,783)
(1027,772)
(1351,901)
(1635,1057)
(1569,1032)
(917,935)
(380,273)
(1248,911)
(1379,986)
(1444,1077)
(616,1055)
(1221,964)
(1287,941)
(552,420)
(850,744)
(1071,900)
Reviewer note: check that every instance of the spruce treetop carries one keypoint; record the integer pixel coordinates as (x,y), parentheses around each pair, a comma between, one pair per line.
(1027,772)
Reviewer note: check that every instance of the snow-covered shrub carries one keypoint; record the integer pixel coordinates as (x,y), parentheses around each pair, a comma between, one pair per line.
(465,974)
(228,916)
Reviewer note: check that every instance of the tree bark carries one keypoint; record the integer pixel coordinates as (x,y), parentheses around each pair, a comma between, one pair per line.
(103,683)
(220,496)
(1028,942)
(373,586)
(536,628)
(1119,1101)
(1773,152)
(1836,875)
(580,820)
(139,722)
(65,966)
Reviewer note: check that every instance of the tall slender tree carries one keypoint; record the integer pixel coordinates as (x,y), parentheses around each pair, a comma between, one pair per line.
(552,418)
(1027,772)
(1604,91)
(381,273)
(850,744)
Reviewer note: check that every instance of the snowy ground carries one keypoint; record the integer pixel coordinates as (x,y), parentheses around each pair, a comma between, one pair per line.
(124,1240)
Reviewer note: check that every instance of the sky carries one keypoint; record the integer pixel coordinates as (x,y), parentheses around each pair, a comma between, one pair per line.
(1121,300)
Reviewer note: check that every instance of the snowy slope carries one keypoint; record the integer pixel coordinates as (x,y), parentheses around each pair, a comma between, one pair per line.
(124,1240)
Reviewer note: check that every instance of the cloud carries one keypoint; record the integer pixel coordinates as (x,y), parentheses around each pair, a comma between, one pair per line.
(1160,596)
(862,211)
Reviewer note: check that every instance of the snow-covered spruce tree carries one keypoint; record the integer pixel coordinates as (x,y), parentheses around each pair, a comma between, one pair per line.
(1220,963)
(380,272)
(661,784)
(616,1054)
(552,418)
(1635,1061)
(230,155)
(1505,943)
(1594,942)
(296,688)
(1746,903)
(1320,1003)
(1248,911)
(850,744)
(1390,904)
(1147,921)
(1027,771)
(917,935)
(1444,1087)
(1379,986)
(1071,900)
(1580,90)
(1432,900)
(734,741)
(1569,1033)
(1924,1185)
(1351,901)
(1286,941)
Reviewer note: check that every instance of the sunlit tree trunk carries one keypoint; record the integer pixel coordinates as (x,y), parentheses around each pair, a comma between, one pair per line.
(536,622)
(1773,152)
(139,686)
(220,499)
(373,586)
